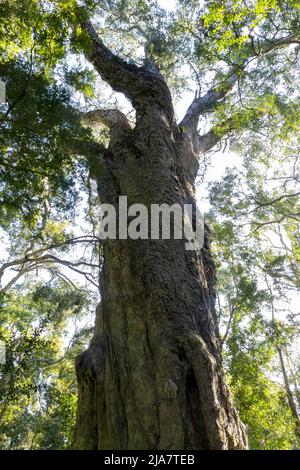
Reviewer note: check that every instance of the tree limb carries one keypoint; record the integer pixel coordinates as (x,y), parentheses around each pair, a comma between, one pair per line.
(139,84)
(32,259)
(214,135)
(231,316)
(112,118)
(208,102)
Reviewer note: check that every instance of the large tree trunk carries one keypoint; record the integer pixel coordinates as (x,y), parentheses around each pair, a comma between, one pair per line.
(152,377)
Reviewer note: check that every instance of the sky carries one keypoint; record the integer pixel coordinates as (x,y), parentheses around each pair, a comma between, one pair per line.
(168,5)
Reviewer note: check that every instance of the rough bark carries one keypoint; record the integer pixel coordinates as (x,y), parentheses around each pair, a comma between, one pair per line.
(152,377)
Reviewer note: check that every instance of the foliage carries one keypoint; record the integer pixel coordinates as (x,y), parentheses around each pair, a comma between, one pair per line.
(261,402)
(253,215)
(37,383)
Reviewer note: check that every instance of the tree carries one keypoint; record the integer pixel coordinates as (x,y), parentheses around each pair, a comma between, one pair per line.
(152,377)
(39,326)
(258,275)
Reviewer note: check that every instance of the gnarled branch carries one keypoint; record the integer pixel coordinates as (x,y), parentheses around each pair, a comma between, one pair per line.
(214,135)
(112,118)
(208,102)
(139,84)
